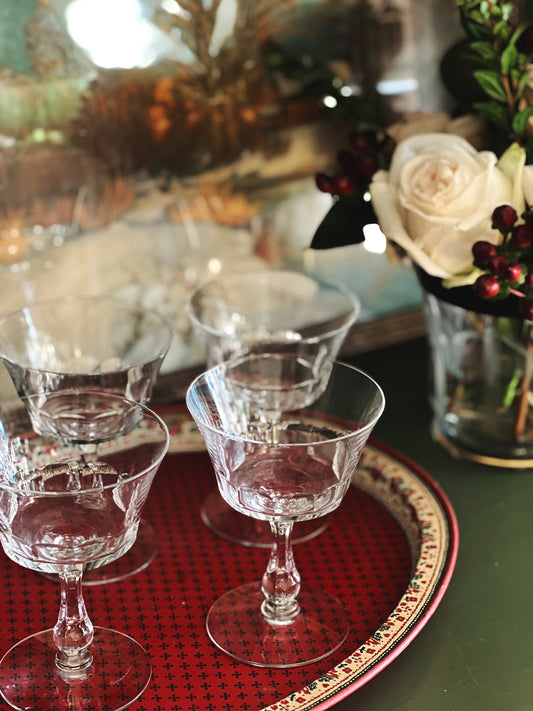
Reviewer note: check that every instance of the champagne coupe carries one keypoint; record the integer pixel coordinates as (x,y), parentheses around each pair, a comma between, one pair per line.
(62,513)
(298,473)
(94,342)
(265,312)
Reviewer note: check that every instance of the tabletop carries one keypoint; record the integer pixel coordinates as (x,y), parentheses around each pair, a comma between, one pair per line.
(472,653)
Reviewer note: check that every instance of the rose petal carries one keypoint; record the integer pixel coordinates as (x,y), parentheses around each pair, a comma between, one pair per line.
(512,164)
(438,197)
(392,227)
(527,179)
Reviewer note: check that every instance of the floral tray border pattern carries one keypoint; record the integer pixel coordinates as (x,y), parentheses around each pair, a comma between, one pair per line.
(428,520)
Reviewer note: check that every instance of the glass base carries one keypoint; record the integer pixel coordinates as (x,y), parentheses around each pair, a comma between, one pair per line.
(481,386)
(237,627)
(220,518)
(120,672)
(460,452)
(137,558)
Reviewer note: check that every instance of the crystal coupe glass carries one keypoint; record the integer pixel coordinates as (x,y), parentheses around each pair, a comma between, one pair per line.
(266,312)
(294,470)
(62,513)
(94,342)
(98,342)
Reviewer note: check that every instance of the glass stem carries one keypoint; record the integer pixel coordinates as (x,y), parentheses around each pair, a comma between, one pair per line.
(74,631)
(281,581)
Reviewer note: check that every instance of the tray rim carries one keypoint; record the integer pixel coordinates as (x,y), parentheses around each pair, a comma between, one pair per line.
(318,699)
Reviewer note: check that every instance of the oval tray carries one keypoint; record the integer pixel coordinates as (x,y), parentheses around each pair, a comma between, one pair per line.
(387,554)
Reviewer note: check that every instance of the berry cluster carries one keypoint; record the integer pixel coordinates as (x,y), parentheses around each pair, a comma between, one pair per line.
(508,266)
(355,166)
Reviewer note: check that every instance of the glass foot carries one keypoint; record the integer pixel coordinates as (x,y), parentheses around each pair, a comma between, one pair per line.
(235,624)
(220,518)
(119,674)
(137,558)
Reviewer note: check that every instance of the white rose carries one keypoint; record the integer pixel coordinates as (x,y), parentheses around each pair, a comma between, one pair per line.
(437,199)
(528,184)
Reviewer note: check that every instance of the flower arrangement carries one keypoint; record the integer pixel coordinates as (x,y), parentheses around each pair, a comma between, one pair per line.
(434,191)
(455,199)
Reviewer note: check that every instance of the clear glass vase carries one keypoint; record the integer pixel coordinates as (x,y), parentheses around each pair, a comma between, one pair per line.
(481,383)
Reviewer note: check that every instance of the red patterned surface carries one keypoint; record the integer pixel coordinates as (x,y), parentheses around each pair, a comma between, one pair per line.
(363,558)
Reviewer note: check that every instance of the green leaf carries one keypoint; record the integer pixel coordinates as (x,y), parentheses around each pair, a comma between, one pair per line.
(510,393)
(495,113)
(509,58)
(523,82)
(475,29)
(477,17)
(520,120)
(516,34)
(343,225)
(501,30)
(484,50)
(491,84)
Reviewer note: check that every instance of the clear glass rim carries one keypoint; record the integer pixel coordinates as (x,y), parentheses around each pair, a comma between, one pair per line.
(351,299)
(147,413)
(189,400)
(166,331)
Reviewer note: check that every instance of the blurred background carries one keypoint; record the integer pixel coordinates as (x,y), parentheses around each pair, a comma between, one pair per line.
(145,144)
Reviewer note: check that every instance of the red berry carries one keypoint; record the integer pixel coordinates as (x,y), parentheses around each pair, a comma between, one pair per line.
(496,264)
(324,182)
(512,272)
(528,281)
(526,309)
(482,250)
(361,142)
(343,184)
(486,286)
(522,236)
(368,165)
(504,217)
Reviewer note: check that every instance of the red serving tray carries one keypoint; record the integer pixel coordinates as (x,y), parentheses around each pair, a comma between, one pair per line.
(367,557)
